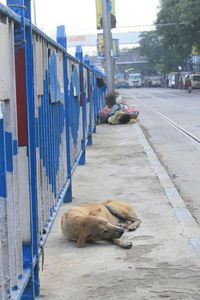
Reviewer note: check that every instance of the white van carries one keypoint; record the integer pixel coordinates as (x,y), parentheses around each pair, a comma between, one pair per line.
(172,80)
(195,78)
(134,80)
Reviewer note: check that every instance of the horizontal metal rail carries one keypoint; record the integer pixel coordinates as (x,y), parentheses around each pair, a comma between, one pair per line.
(11,14)
(6,11)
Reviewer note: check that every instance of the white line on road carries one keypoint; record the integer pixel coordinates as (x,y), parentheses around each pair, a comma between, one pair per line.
(165,101)
(172,123)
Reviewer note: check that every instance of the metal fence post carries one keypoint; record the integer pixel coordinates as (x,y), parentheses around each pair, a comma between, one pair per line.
(23,40)
(61,39)
(79,55)
(89,139)
(94,100)
(32,290)
(96,108)
(5,288)
(34,281)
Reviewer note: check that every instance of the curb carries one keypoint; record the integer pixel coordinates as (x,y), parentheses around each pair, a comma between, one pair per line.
(189,226)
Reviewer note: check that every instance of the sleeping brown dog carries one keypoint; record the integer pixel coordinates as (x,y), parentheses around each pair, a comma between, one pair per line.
(96,221)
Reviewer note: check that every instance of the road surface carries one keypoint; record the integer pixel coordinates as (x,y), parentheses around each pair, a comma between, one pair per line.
(170,120)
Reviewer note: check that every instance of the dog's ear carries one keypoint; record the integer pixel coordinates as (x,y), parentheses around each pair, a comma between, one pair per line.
(95,212)
(82,238)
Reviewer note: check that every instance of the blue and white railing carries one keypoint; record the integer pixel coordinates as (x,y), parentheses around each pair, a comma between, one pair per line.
(49,101)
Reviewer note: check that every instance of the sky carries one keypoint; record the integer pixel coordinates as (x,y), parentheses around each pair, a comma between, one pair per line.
(79,16)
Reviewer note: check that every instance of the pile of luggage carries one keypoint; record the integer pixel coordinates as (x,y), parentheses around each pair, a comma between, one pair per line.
(120,113)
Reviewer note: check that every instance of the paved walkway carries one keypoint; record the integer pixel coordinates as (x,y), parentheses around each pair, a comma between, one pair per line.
(164,261)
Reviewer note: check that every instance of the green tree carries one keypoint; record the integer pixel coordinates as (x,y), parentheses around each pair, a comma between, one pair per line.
(162,58)
(178,23)
(150,47)
(177,34)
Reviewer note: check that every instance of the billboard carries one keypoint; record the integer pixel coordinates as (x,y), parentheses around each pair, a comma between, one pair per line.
(100,46)
(115,44)
(99,18)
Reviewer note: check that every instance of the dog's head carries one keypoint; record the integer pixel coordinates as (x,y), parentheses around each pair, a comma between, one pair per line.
(96,229)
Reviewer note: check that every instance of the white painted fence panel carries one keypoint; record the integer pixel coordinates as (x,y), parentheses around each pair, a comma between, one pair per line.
(10,222)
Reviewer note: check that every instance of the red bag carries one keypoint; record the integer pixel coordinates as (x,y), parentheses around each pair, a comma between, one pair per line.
(103,115)
(132,111)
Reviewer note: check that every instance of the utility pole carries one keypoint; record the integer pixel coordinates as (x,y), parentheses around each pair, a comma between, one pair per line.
(108,52)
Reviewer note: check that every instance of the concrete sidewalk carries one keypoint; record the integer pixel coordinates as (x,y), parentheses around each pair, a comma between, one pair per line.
(164,261)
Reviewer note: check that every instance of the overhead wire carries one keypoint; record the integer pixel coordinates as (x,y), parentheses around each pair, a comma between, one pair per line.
(154,25)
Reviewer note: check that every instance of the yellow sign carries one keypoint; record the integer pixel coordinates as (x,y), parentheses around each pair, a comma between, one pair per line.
(195,50)
(130,69)
(100,44)
(99,18)
(115,44)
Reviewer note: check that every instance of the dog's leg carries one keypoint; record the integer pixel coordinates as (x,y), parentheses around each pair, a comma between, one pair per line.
(135,222)
(124,225)
(120,214)
(122,243)
(134,225)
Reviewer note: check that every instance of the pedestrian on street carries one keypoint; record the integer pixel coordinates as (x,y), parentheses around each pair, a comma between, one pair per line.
(189,84)
(180,83)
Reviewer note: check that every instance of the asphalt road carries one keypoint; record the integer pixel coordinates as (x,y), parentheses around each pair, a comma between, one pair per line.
(170,120)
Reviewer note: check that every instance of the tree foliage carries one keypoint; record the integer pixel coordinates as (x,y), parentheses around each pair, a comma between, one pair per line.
(178,22)
(162,58)
(177,34)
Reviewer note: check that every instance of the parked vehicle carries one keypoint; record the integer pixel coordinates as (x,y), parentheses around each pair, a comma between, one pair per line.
(146,81)
(156,81)
(121,81)
(195,79)
(172,80)
(134,80)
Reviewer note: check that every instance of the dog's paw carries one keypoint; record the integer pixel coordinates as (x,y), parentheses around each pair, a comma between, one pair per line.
(126,244)
(132,227)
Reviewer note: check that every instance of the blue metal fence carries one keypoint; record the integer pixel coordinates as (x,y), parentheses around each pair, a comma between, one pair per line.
(49,101)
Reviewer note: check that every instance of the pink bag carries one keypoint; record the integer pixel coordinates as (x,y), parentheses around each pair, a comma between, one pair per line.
(132,111)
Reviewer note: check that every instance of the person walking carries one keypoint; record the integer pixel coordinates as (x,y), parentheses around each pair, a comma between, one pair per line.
(180,83)
(189,84)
